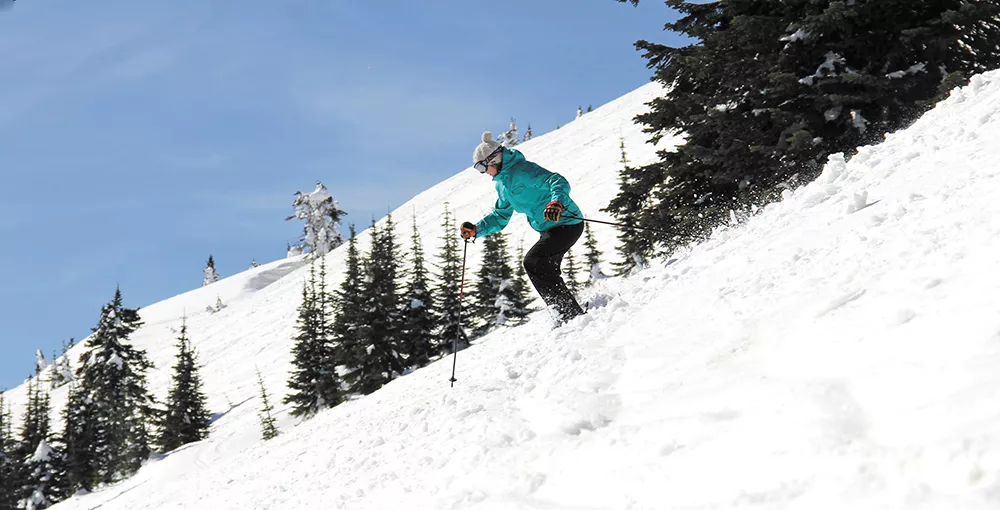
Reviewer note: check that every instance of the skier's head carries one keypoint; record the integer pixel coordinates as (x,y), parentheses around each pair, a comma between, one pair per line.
(488,155)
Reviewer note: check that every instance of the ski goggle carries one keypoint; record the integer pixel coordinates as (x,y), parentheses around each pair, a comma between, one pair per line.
(481,166)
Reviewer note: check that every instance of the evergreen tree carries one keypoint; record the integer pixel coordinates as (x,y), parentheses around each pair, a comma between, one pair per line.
(579,112)
(186,419)
(570,271)
(268,430)
(509,138)
(112,378)
(210,275)
(630,207)
(42,476)
(527,134)
(349,303)
(770,89)
(314,382)
(590,108)
(46,476)
(593,257)
(449,290)
(78,438)
(254,264)
(493,292)
(419,312)
(375,360)
(62,372)
(520,296)
(322,215)
(9,467)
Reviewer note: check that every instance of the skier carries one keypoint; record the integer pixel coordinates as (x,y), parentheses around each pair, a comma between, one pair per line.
(543,196)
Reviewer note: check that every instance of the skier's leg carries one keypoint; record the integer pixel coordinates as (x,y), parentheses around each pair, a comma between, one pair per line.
(542,262)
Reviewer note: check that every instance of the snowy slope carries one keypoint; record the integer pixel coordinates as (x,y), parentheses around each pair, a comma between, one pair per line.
(839,350)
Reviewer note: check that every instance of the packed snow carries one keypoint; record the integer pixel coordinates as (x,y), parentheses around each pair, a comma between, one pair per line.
(837,350)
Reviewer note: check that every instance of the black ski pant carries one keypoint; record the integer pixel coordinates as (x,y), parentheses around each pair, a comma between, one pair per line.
(542,264)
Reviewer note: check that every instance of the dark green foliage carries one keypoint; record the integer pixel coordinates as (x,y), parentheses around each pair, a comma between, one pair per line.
(314,382)
(593,257)
(79,432)
(772,88)
(492,298)
(9,468)
(46,476)
(186,419)
(349,303)
(419,311)
(449,289)
(570,271)
(375,358)
(521,295)
(268,430)
(112,376)
(631,206)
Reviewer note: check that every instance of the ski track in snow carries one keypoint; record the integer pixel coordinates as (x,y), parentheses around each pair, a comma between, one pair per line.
(839,350)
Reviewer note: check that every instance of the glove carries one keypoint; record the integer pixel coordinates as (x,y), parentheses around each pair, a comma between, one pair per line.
(468,231)
(553,211)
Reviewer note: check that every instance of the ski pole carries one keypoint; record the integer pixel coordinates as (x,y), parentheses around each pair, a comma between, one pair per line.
(454,341)
(633,227)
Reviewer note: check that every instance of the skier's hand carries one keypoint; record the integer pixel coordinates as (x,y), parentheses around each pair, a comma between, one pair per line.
(553,211)
(468,231)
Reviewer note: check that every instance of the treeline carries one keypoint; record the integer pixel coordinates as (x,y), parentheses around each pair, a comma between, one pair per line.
(111,423)
(770,89)
(388,318)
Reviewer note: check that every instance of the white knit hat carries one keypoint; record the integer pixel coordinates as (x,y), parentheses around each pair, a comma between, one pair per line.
(485,149)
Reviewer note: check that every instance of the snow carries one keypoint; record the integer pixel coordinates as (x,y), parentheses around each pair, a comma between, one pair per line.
(42,453)
(799,35)
(914,69)
(838,350)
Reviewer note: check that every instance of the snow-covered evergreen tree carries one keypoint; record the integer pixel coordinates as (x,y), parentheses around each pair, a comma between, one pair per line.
(211,276)
(268,430)
(253,264)
(593,257)
(9,468)
(186,419)
(112,376)
(492,297)
(322,217)
(579,112)
(448,290)
(419,312)
(78,438)
(40,362)
(62,372)
(375,359)
(46,476)
(510,138)
(527,134)
(570,271)
(314,383)
(42,471)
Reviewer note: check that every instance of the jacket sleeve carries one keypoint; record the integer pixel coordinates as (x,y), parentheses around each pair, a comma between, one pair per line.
(557,185)
(495,221)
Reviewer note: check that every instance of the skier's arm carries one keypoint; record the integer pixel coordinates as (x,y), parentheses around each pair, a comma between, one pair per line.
(557,185)
(496,220)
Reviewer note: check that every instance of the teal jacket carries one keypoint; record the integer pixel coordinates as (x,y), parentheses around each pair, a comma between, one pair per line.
(527,188)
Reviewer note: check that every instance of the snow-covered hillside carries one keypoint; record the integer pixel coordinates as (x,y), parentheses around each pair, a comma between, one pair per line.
(839,350)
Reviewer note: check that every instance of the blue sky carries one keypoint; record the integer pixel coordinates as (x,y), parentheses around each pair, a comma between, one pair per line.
(137,138)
